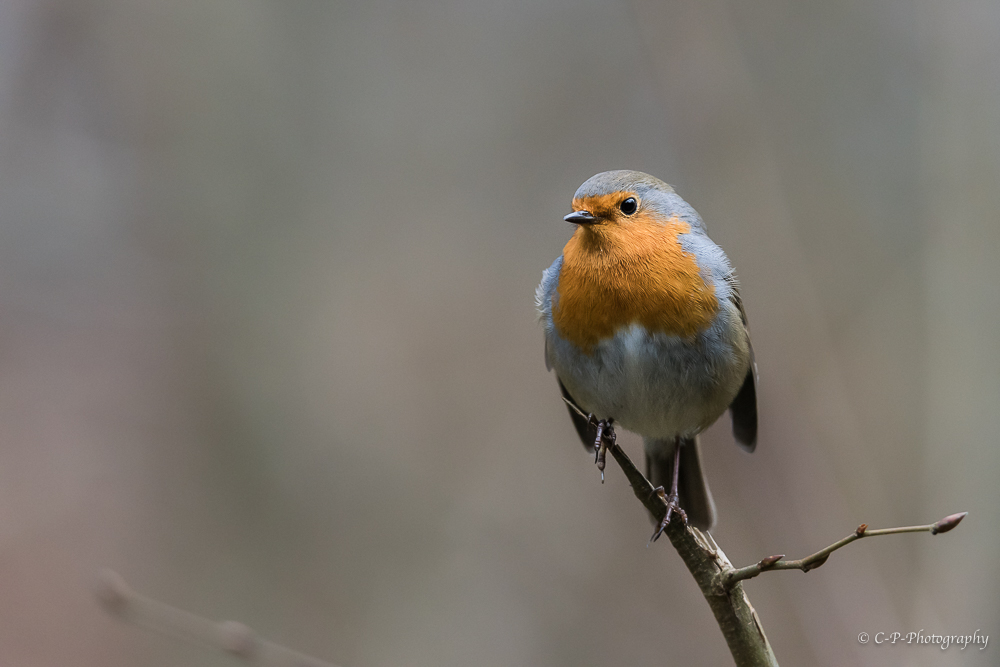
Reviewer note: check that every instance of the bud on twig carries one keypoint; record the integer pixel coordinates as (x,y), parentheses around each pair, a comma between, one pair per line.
(814,564)
(947,523)
(769,561)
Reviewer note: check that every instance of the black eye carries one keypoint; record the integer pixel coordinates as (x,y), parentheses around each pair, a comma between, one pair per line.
(628,206)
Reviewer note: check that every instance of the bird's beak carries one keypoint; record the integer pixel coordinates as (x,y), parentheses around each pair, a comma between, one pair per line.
(581,218)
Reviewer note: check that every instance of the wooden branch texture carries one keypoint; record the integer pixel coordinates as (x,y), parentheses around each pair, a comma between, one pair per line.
(721,583)
(707,563)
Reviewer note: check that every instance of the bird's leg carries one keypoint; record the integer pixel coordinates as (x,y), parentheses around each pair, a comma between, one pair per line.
(605,434)
(673,499)
(605,438)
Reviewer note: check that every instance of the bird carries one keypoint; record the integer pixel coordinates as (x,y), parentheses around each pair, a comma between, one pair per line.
(645,329)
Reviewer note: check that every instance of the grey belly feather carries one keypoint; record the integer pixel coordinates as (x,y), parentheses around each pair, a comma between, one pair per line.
(657,385)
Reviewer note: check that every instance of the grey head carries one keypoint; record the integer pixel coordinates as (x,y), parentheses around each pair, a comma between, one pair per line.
(653,194)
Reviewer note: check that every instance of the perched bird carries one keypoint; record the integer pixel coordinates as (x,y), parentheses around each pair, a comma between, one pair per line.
(645,328)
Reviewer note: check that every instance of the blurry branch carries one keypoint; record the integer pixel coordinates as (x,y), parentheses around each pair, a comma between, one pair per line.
(812,562)
(721,583)
(231,637)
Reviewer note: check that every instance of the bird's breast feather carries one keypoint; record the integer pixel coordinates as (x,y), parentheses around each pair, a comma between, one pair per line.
(616,275)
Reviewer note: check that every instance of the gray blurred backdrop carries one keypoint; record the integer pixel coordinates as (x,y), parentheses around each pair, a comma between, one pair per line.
(268,346)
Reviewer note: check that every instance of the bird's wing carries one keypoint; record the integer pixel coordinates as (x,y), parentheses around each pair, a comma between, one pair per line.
(744,407)
(586,429)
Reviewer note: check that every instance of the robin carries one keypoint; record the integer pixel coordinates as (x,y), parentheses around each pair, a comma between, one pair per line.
(645,328)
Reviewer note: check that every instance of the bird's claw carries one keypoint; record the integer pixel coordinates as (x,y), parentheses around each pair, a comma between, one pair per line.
(673,507)
(605,438)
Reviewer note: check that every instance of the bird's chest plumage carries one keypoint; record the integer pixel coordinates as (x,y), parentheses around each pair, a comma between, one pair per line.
(617,276)
(638,334)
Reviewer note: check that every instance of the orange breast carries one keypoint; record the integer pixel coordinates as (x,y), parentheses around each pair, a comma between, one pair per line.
(617,274)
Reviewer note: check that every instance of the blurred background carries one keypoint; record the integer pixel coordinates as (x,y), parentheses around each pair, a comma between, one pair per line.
(268,345)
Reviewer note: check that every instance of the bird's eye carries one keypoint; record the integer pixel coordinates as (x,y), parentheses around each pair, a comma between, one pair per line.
(628,206)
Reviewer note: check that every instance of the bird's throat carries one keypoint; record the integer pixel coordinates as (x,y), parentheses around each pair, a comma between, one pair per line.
(615,275)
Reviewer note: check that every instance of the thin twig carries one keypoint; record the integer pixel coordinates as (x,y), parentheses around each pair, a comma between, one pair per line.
(772,563)
(721,583)
(232,637)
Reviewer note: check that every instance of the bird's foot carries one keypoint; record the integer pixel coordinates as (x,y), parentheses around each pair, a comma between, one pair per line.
(673,507)
(605,438)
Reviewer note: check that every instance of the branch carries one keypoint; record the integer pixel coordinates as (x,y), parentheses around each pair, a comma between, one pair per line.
(815,560)
(721,583)
(707,563)
(232,637)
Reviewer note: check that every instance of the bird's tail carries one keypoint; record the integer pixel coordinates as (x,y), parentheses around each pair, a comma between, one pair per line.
(692,487)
